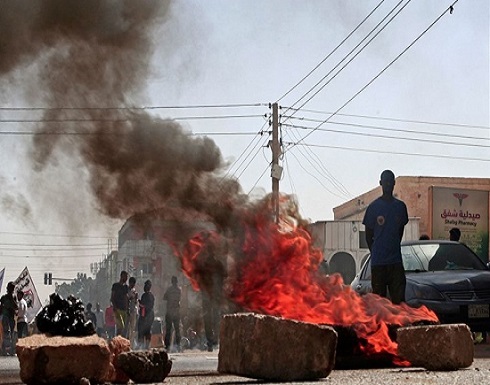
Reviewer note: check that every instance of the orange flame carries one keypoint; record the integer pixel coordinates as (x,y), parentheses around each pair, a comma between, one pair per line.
(277,274)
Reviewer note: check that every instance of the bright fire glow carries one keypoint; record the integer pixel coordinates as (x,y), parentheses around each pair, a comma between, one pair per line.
(277,274)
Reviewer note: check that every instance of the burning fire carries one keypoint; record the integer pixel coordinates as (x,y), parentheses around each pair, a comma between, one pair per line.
(277,274)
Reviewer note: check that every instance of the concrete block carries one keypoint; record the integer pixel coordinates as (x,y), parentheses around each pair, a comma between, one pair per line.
(63,360)
(436,347)
(275,349)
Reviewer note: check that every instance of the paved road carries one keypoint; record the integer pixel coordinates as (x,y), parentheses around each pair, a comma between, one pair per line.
(199,368)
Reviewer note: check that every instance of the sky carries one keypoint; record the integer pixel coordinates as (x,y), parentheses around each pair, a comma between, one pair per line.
(411,95)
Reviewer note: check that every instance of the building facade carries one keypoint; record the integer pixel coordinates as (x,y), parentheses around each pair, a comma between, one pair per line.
(342,240)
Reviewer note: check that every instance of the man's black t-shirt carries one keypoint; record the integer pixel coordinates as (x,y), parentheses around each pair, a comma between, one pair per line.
(120,296)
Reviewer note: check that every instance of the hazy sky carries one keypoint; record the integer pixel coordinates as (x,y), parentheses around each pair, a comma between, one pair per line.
(427,114)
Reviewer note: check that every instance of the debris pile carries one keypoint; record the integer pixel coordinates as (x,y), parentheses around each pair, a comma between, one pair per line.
(64,317)
(63,360)
(147,366)
(437,347)
(275,349)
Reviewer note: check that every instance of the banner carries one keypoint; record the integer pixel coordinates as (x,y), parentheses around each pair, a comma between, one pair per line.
(25,283)
(2,273)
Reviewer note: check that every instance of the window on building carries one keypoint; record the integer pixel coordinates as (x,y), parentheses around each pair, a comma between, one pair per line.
(362,240)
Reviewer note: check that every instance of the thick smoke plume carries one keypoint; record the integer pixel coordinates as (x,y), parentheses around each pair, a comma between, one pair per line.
(93,59)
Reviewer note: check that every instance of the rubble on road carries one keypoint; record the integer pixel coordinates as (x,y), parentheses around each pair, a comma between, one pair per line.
(437,347)
(117,346)
(63,360)
(146,366)
(275,349)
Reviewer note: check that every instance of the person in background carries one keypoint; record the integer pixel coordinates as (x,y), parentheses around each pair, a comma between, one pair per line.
(146,316)
(424,237)
(90,315)
(172,316)
(8,304)
(213,277)
(132,310)
(385,220)
(110,323)
(454,234)
(99,316)
(119,300)
(22,330)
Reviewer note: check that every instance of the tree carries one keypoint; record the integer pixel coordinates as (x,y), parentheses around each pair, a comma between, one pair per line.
(81,287)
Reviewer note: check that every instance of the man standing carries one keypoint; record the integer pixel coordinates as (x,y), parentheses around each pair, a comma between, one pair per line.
(119,300)
(21,315)
(385,220)
(8,303)
(212,279)
(172,317)
(133,311)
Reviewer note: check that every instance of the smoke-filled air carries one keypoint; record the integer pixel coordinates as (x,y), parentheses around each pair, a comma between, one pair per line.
(92,60)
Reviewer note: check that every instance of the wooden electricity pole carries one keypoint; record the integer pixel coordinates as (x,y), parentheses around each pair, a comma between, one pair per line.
(276,170)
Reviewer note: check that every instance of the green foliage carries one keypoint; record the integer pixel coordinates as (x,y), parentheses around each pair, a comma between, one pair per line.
(81,287)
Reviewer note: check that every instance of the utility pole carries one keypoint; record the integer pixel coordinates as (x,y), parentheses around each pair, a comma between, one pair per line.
(276,170)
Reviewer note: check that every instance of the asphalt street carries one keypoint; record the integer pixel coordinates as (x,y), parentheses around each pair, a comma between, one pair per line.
(195,367)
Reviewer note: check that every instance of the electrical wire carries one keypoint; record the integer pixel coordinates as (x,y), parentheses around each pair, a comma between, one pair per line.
(258,135)
(388,137)
(54,235)
(250,161)
(314,176)
(326,174)
(121,120)
(391,129)
(394,119)
(196,106)
(392,152)
(259,178)
(331,52)
(357,54)
(383,70)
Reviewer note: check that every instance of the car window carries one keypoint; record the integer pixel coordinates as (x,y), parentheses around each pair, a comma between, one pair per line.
(433,257)
(447,256)
(366,270)
(411,262)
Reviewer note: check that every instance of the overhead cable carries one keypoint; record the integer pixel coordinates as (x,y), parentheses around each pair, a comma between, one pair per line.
(351,59)
(331,52)
(390,129)
(463,125)
(382,71)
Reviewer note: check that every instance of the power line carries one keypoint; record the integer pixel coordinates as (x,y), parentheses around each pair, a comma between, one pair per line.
(326,174)
(346,56)
(122,120)
(388,137)
(250,161)
(331,52)
(318,180)
(47,257)
(259,178)
(383,70)
(175,107)
(391,129)
(53,245)
(393,119)
(55,235)
(258,135)
(391,152)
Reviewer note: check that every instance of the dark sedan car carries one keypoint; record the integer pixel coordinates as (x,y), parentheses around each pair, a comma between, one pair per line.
(445,276)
